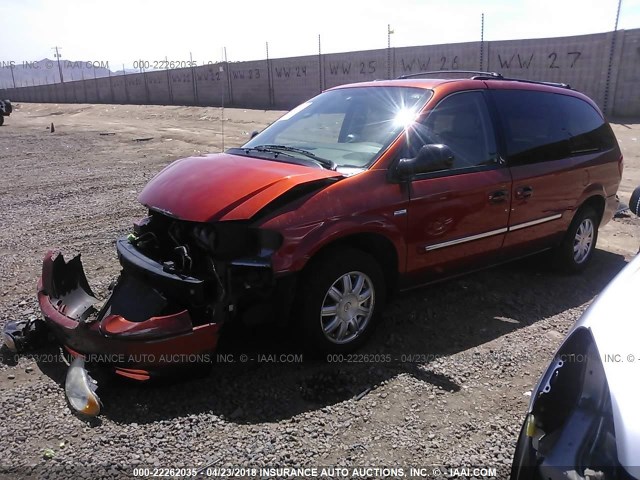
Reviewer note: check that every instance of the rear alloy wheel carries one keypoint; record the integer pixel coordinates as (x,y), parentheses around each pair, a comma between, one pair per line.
(343,293)
(577,248)
(583,242)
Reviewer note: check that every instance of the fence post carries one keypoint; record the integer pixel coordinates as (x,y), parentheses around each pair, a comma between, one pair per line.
(170,87)
(146,86)
(269,79)
(126,89)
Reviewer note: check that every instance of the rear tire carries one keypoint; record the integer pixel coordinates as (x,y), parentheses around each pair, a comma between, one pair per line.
(342,294)
(634,202)
(1,119)
(576,249)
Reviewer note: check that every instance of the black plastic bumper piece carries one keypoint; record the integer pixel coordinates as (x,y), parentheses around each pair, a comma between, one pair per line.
(180,287)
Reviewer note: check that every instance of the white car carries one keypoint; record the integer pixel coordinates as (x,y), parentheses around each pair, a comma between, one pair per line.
(583,420)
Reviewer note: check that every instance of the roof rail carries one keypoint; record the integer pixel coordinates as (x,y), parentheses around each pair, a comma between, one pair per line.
(551,84)
(477,75)
(493,75)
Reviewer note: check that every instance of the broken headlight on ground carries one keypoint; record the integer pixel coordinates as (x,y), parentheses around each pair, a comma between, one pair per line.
(80,389)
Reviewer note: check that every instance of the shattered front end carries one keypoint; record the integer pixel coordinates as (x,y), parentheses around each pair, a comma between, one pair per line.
(136,330)
(180,281)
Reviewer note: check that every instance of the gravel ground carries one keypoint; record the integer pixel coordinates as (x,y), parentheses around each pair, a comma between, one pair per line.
(450,389)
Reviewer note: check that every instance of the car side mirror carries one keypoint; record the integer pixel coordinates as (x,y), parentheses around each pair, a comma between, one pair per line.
(430,158)
(254,133)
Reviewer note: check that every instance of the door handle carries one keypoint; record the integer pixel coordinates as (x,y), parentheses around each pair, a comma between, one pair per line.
(524,192)
(498,197)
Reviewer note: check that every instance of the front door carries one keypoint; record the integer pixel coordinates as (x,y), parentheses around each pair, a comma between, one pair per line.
(457,218)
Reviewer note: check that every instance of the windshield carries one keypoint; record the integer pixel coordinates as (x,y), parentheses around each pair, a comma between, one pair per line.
(349,127)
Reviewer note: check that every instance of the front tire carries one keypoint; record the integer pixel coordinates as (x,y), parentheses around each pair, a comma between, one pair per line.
(342,296)
(576,249)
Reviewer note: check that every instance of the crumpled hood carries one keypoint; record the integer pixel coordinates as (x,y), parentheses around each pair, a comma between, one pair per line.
(223,187)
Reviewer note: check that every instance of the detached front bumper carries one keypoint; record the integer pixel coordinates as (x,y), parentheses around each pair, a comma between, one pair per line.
(133,331)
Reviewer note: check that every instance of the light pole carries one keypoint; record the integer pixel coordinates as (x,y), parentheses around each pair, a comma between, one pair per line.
(389,32)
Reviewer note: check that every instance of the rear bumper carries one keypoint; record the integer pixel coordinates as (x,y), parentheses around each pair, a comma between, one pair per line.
(610,208)
(141,345)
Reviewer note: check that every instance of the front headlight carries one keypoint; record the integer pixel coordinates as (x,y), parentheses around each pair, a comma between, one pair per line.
(80,389)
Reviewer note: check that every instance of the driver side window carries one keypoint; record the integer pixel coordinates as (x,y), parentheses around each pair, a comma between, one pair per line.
(461,122)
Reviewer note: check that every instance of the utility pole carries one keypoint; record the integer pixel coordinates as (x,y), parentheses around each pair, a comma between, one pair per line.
(12,77)
(57,55)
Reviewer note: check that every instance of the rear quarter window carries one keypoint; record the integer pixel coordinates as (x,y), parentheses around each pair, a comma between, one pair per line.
(543,126)
(587,130)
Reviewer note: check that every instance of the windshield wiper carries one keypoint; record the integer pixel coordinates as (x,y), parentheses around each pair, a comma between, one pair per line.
(284,148)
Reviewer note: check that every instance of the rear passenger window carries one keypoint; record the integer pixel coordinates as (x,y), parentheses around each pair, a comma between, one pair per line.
(542,126)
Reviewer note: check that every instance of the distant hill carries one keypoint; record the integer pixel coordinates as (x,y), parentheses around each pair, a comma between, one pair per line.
(46,71)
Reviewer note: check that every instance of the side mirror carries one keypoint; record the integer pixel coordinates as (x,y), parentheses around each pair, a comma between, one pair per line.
(430,158)
(254,133)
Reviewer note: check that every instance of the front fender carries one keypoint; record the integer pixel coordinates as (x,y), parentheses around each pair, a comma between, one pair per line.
(366,203)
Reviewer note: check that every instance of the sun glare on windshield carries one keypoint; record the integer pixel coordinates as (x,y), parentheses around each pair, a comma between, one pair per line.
(404,118)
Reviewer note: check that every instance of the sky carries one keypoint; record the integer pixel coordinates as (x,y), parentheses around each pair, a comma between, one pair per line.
(123,31)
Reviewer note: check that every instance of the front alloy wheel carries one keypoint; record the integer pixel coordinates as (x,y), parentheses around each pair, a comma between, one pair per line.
(341,293)
(347,307)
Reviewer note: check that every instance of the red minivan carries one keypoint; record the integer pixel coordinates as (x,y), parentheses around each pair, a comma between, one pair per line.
(361,191)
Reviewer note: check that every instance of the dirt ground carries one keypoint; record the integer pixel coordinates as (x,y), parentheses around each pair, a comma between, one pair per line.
(478,344)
